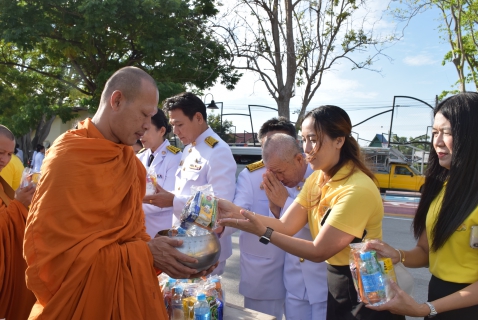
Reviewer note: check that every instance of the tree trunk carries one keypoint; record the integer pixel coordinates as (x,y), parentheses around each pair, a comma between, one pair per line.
(25,144)
(283,107)
(42,131)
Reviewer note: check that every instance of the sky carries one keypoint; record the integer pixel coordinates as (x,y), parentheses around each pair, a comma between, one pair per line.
(415,70)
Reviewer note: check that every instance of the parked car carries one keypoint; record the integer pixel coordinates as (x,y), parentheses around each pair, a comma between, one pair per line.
(245,156)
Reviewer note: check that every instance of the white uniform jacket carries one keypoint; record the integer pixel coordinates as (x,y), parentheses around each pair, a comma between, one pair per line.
(262,266)
(165,164)
(304,278)
(206,163)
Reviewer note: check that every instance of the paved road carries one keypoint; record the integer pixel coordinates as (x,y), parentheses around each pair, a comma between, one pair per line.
(396,231)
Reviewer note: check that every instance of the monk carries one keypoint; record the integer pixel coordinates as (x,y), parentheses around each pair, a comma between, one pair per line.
(16,300)
(86,246)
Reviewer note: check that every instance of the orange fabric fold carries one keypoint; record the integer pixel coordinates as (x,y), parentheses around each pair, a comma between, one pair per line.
(16,300)
(85,241)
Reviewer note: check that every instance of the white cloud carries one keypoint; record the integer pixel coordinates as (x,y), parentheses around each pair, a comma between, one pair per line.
(419,60)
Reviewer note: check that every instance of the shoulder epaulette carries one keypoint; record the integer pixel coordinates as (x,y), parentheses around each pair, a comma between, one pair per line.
(173,149)
(254,166)
(211,141)
(141,151)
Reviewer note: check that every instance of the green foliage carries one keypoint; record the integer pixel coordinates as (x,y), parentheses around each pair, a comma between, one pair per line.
(459,22)
(68,49)
(224,130)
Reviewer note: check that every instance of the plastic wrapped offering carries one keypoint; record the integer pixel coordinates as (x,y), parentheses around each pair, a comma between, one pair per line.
(184,293)
(29,176)
(200,210)
(371,275)
(151,182)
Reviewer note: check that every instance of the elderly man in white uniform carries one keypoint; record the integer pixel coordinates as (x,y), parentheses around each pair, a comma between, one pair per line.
(262,267)
(305,281)
(163,160)
(206,159)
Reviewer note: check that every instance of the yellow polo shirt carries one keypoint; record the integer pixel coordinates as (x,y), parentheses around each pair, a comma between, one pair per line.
(12,173)
(356,205)
(456,261)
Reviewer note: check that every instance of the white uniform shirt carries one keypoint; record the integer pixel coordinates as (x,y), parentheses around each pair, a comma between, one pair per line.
(306,279)
(262,266)
(165,164)
(38,161)
(203,164)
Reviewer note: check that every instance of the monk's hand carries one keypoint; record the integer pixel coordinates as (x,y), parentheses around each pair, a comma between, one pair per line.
(25,195)
(161,198)
(274,189)
(205,272)
(403,304)
(227,209)
(249,223)
(168,259)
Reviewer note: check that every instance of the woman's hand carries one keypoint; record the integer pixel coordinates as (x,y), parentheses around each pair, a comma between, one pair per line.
(248,223)
(402,304)
(383,249)
(228,210)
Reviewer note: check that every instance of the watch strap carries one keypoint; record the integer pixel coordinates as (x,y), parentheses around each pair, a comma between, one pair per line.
(266,238)
(433,312)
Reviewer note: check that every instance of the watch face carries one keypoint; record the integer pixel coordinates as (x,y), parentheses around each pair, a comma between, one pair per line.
(264,240)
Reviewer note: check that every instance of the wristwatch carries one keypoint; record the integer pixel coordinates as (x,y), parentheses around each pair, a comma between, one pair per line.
(266,238)
(433,312)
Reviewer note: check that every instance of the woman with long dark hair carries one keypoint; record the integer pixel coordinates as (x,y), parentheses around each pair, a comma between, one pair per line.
(339,201)
(163,159)
(446,222)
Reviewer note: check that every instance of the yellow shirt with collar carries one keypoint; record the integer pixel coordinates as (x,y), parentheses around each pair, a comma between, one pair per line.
(356,205)
(12,173)
(456,261)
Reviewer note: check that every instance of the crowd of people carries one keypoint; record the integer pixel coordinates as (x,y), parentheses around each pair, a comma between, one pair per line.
(83,243)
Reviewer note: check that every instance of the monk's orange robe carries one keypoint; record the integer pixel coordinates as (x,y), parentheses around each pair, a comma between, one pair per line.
(16,300)
(85,241)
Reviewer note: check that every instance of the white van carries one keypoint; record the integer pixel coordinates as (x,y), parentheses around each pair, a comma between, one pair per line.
(245,156)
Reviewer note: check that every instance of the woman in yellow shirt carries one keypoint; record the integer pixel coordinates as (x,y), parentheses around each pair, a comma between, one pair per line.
(445,218)
(341,186)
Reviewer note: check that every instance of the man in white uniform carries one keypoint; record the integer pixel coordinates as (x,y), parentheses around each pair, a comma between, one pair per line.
(262,267)
(161,160)
(206,159)
(305,281)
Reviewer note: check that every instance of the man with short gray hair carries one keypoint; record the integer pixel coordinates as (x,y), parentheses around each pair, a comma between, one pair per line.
(305,281)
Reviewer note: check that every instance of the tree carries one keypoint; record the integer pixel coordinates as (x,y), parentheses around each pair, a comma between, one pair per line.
(74,46)
(459,27)
(224,130)
(294,43)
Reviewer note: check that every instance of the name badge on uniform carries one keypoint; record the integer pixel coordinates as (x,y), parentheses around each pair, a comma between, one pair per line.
(194,166)
(159,176)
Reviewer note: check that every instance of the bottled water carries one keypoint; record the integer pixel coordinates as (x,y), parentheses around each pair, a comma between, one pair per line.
(177,311)
(201,308)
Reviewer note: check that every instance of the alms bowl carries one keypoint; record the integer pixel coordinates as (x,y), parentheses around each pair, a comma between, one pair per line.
(206,249)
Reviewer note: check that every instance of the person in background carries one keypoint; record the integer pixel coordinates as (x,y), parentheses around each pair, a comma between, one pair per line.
(19,152)
(341,186)
(138,146)
(16,300)
(262,268)
(32,160)
(38,160)
(305,281)
(163,159)
(13,172)
(206,159)
(446,222)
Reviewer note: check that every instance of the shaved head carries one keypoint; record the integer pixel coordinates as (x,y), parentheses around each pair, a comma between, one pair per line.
(280,146)
(7,146)
(129,81)
(4,131)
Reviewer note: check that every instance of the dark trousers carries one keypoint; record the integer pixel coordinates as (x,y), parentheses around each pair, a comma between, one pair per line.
(342,301)
(438,289)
